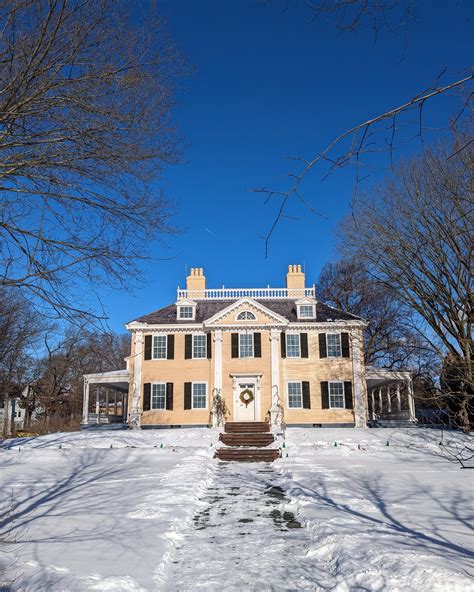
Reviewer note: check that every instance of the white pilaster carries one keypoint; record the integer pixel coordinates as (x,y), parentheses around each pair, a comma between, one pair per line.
(276,409)
(218,359)
(359,385)
(136,411)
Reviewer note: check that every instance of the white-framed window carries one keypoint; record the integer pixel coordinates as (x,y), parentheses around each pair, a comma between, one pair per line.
(199,346)
(333,343)
(199,398)
(293,345)
(245,345)
(246,315)
(306,311)
(159,347)
(158,395)
(295,395)
(336,395)
(186,312)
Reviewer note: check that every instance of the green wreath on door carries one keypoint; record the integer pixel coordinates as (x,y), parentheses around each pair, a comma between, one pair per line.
(246,397)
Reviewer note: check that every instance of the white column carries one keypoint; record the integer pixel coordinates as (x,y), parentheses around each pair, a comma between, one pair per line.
(411,399)
(359,384)
(85,404)
(399,400)
(136,411)
(107,401)
(97,402)
(373,403)
(115,403)
(389,401)
(380,400)
(276,415)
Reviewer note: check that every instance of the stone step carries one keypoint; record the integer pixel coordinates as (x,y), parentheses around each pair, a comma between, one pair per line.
(246,427)
(239,439)
(248,454)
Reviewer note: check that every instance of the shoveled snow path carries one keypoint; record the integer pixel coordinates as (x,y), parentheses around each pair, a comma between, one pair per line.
(245,537)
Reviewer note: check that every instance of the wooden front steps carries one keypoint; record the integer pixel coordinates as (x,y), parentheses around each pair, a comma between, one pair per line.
(246,442)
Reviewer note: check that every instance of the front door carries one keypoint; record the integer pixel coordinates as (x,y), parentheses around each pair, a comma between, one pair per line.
(245,402)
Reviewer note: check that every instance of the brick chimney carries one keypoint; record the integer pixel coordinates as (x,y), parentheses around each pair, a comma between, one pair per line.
(196,280)
(295,280)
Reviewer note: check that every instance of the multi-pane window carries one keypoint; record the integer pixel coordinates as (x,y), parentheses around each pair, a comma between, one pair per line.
(293,349)
(199,346)
(159,347)
(246,345)
(246,315)
(186,312)
(306,311)
(336,395)
(295,395)
(333,341)
(158,396)
(199,395)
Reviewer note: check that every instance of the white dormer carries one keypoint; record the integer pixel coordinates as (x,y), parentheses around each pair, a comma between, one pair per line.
(306,309)
(186,310)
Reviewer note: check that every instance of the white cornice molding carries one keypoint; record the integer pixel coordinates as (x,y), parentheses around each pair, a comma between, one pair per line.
(214,320)
(155,328)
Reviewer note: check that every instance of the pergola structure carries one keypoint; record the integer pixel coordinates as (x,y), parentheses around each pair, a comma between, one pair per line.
(110,397)
(390,395)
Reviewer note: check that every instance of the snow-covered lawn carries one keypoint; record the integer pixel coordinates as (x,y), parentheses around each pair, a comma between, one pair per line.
(152,510)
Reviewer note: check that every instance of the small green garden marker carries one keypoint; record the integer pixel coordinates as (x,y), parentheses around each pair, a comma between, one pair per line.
(388,443)
(335,443)
(161,445)
(111,446)
(60,446)
(283,445)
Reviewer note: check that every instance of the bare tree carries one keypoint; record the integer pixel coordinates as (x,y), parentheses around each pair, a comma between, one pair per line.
(415,234)
(86,98)
(390,339)
(20,331)
(385,131)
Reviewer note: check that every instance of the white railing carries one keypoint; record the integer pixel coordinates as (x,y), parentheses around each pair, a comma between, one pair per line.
(236,293)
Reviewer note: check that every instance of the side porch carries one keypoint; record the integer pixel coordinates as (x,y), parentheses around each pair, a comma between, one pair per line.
(390,397)
(105,399)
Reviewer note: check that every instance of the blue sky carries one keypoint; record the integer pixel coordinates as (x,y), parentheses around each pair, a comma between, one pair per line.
(269,84)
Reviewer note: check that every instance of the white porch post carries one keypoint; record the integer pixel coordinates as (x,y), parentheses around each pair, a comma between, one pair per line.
(85,403)
(399,400)
(359,384)
(107,401)
(136,411)
(217,372)
(373,403)
(115,403)
(97,402)
(389,401)
(380,400)
(411,399)
(275,409)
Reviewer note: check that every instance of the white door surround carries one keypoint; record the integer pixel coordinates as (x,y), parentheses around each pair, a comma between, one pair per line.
(242,412)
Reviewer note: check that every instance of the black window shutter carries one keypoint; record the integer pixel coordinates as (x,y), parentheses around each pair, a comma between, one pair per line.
(188,347)
(345,345)
(187,395)
(148,345)
(169,396)
(235,345)
(323,350)
(348,395)
(147,396)
(257,345)
(325,395)
(306,396)
(170,347)
(283,344)
(209,346)
(304,345)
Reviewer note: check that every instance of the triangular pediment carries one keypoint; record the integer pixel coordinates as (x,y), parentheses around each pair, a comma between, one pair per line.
(229,315)
(305,300)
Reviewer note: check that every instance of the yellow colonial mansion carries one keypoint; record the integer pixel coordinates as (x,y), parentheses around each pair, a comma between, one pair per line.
(246,355)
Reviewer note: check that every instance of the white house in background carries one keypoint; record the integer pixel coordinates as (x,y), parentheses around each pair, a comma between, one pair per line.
(15,412)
